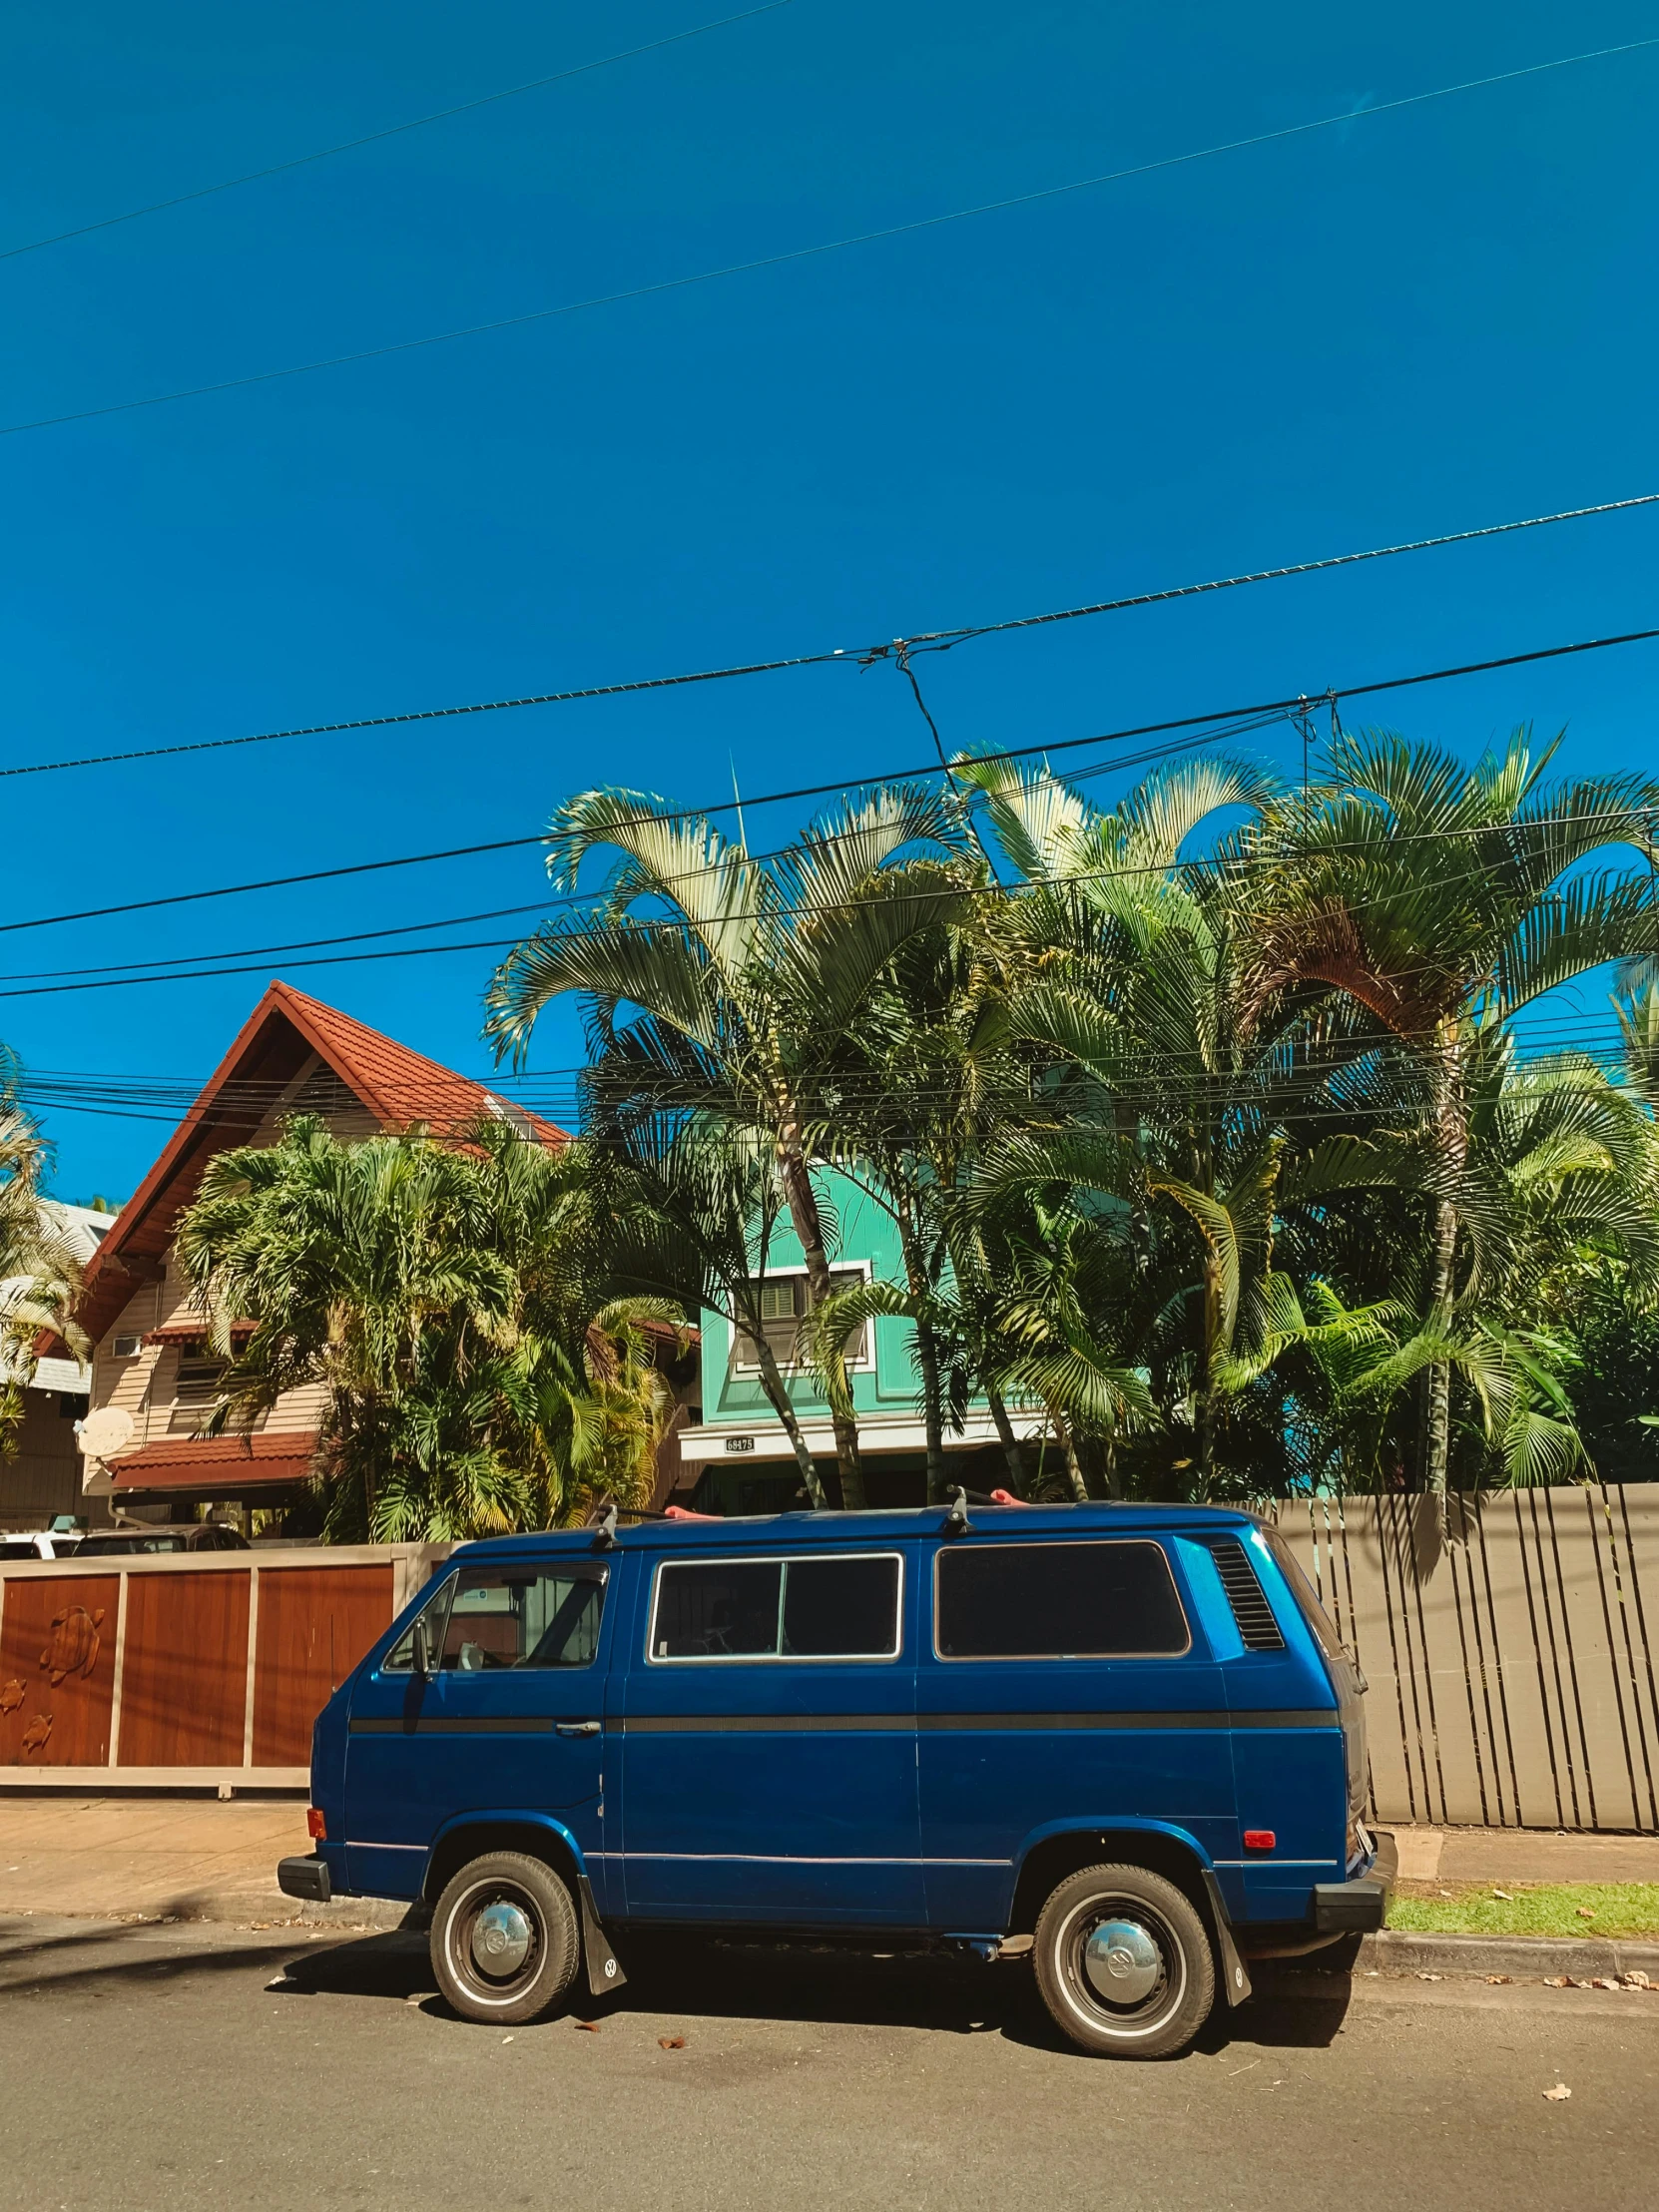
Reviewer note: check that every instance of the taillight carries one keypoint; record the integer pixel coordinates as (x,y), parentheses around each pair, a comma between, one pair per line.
(315,1825)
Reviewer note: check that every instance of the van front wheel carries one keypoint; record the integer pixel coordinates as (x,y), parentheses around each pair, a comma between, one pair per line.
(1122,1961)
(504,1940)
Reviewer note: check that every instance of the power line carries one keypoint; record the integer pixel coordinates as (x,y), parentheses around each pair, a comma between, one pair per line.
(1235,715)
(555,903)
(677,925)
(1280,1063)
(810,253)
(942,641)
(394,130)
(862,655)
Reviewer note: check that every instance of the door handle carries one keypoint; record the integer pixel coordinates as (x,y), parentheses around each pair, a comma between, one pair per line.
(577,1728)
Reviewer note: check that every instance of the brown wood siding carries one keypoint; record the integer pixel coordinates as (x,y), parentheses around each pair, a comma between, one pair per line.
(184,1684)
(315,1624)
(51,1625)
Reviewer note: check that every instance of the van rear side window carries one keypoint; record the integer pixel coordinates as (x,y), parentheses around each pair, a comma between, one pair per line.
(1109,1600)
(841,1609)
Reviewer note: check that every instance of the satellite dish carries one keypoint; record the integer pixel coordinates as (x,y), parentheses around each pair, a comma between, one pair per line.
(105,1431)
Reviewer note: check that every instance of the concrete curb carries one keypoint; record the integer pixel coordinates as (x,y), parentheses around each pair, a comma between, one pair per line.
(238,1909)
(1398,1951)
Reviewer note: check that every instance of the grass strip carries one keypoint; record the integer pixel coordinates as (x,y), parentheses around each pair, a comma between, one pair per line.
(1527,1909)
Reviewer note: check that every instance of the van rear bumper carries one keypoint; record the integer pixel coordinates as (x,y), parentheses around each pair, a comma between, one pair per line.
(1358,1908)
(305,1878)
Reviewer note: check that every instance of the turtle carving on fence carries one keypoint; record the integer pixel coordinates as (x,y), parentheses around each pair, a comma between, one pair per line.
(75,1643)
(38,1730)
(11,1695)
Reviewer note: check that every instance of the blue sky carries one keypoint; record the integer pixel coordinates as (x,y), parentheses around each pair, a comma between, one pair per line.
(1411,323)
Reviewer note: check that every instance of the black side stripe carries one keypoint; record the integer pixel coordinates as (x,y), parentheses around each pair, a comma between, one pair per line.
(869,1724)
(489,1725)
(714,1724)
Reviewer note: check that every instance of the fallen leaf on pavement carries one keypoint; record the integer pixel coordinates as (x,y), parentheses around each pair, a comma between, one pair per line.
(506,2038)
(1499,1978)
(1504,1895)
(671,2043)
(1556,1981)
(589,2028)
(1636,1979)
(1559,2094)
(1431,1977)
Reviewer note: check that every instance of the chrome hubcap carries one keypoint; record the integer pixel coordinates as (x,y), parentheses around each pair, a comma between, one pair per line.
(1122,1962)
(501,1938)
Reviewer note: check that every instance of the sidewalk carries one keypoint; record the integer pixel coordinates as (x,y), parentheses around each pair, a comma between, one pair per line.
(199,1859)
(183,1858)
(1522,1855)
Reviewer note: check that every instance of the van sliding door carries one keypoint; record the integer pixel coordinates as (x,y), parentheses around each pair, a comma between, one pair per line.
(768,1742)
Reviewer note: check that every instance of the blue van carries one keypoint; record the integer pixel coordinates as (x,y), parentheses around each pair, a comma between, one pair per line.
(1124,1740)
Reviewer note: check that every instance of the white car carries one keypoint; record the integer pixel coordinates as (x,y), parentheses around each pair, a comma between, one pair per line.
(40,1543)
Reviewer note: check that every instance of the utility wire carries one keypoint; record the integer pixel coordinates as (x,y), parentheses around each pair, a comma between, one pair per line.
(561,901)
(394,130)
(865,655)
(679,926)
(541,1093)
(1261,712)
(827,246)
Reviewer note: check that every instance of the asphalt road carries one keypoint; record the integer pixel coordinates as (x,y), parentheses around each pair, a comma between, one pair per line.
(156,2066)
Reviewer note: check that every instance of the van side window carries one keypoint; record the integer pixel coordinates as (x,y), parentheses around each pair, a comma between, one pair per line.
(487,1618)
(1106,1600)
(845,1609)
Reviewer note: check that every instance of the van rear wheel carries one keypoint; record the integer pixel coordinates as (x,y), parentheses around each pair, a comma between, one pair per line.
(504,1939)
(1122,1961)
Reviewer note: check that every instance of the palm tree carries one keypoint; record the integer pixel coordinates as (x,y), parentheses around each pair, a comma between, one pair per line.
(445,1297)
(695,1208)
(729,1001)
(40,1273)
(1443,903)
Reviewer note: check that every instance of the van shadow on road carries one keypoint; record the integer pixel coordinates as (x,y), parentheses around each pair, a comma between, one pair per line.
(687,1977)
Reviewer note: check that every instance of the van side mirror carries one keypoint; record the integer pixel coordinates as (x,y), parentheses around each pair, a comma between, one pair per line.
(423,1648)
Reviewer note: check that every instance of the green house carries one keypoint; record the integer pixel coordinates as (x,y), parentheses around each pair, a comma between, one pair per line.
(741,1458)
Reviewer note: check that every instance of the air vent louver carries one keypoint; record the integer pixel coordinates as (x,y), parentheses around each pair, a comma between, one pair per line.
(1251,1610)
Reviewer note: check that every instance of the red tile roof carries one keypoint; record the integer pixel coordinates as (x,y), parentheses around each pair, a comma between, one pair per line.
(217,1466)
(396,1086)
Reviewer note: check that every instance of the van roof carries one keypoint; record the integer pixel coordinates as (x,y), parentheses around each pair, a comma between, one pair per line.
(775,1530)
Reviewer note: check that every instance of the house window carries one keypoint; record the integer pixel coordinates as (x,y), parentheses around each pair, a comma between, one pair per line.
(125,1348)
(199,1382)
(784,1304)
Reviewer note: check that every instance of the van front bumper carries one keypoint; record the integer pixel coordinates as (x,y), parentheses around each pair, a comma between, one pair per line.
(1359,1907)
(305,1878)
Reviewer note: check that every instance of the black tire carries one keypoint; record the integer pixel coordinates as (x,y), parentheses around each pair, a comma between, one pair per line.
(1162,1962)
(513,1963)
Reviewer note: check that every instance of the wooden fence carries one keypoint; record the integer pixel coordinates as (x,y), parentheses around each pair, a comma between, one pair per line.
(1512,1665)
(197,1669)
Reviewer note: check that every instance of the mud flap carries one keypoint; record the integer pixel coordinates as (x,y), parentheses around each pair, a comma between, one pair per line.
(604,1967)
(1233,1974)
